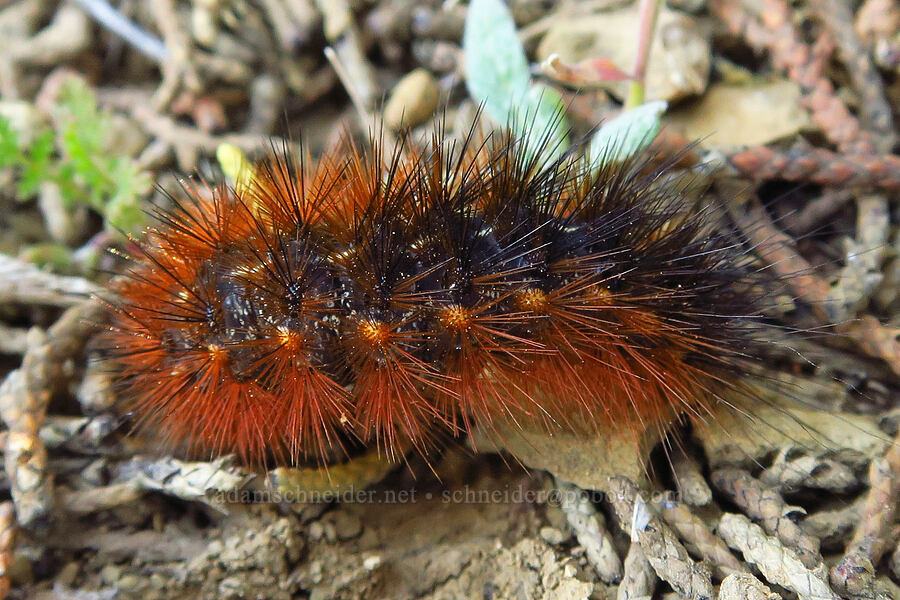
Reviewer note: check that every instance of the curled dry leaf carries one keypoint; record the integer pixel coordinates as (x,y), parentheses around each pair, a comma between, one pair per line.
(584,74)
(679,61)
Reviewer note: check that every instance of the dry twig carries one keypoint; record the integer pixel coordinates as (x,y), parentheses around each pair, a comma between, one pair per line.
(769,508)
(13,340)
(638,579)
(820,166)
(589,527)
(690,482)
(833,526)
(115,21)
(817,211)
(875,339)
(25,283)
(776,248)
(863,255)
(24,395)
(743,586)
(693,530)
(178,70)
(7,545)
(664,552)
(874,108)
(778,563)
(808,471)
(855,574)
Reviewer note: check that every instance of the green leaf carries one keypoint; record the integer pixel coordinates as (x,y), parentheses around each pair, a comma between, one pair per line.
(55,256)
(541,121)
(496,68)
(497,76)
(37,168)
(124,215)
(79,150)
(75,155)
(123,212)
(83,141)
(72,193)
(627,134)
(78,103)
(9,144)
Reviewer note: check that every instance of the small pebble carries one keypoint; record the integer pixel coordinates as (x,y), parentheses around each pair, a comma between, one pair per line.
(158,582)
(111,574)
(68,574)
(346,525)
(552,535)
(129,582)
(412,101)
(316,530)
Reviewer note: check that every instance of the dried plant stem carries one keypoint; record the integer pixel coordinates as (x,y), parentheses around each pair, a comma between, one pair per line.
(178,70)
(639,580)
(874,108)
(694,531)
(7,545)
(649,10)
(776,248)
(691,484)
(744,586)
(115,21)
(590,530)
(769,508)
(25,283)
(777,562)
(349,62)
(820,166)
(24,395)
(854,575)
(664,552)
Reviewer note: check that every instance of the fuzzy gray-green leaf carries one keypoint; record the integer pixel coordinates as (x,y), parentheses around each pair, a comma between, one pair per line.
(627,134)
(496,67)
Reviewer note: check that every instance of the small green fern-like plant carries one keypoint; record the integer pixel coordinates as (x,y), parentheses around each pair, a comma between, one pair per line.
(74,154)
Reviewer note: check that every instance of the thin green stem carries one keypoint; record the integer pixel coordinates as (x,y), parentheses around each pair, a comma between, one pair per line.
(649,10)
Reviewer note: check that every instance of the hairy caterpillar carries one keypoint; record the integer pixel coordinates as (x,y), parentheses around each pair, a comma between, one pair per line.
(389,296)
